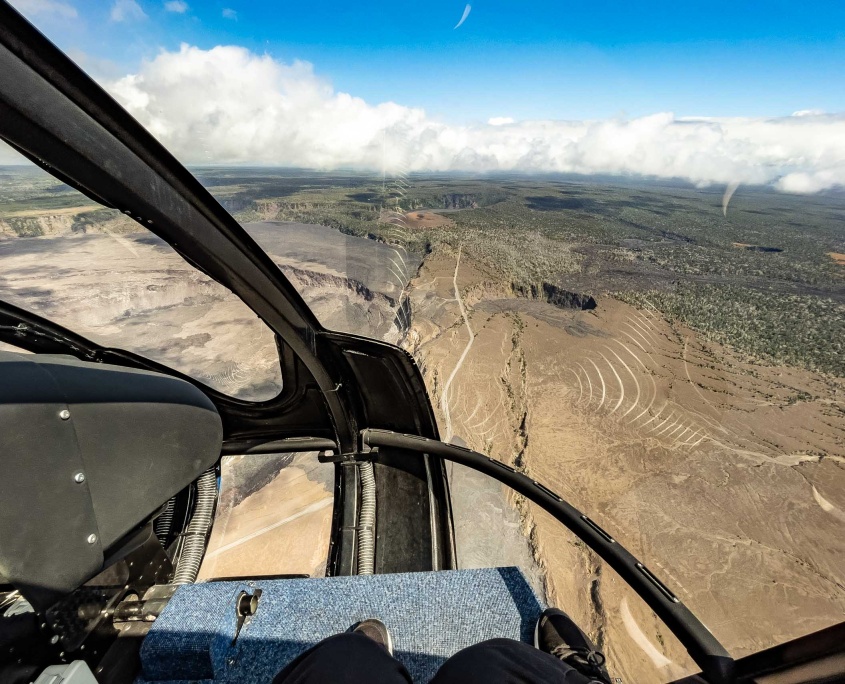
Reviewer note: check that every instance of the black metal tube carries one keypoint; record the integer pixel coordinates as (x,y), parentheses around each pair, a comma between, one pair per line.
(714,661)
(278,446)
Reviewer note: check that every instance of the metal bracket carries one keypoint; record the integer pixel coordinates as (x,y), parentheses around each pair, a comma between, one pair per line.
(361,456)
(246,606)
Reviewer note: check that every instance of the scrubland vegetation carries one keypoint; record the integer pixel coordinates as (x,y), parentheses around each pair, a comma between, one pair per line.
(760,278)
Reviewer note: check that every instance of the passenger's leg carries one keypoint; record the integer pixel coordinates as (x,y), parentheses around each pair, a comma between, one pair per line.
(504,661)
(349,658)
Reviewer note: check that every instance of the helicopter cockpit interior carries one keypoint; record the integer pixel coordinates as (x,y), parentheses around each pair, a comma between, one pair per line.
(164,524)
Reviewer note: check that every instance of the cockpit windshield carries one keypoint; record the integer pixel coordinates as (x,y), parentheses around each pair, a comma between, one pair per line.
(104,276)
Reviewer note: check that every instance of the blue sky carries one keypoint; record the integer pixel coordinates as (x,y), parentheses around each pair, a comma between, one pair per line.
(526,60)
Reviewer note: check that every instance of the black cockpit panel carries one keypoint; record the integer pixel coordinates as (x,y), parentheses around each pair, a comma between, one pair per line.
(88,452)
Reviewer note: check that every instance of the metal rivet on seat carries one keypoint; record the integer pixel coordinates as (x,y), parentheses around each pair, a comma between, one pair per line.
(92,538)
(79,477)
(64,414)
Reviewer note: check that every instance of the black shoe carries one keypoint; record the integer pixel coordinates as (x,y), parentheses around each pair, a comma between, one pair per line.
(377,631)
(559,636)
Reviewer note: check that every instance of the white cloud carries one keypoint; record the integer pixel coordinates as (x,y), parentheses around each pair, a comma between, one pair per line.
(230,106)
(54,8)
(229,13)
(127,10)
(500,120)
(176,6)
(805,182)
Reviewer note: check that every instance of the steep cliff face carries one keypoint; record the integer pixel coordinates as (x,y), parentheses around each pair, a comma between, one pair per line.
(249,210)
(236,204)
(556,296)
(348,305)
(74,221)
(37,226)
(354,284)
(252,210)
(305,280)
(459,201)
(487,289)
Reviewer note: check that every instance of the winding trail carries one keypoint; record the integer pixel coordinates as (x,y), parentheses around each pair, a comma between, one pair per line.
(444,396)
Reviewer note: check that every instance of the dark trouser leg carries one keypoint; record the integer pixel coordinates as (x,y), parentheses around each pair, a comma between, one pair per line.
(504,661)
(345,659)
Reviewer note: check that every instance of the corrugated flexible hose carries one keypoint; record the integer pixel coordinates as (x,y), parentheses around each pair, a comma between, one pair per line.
(193,547)
(164,523)
(367,520)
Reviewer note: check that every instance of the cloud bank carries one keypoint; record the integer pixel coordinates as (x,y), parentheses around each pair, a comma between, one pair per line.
(227,105)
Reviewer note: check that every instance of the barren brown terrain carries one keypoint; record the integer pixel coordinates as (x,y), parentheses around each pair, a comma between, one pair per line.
(134,292)
(426,219)
(268,507)
(726,478)
(131,290)
(416,220)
